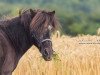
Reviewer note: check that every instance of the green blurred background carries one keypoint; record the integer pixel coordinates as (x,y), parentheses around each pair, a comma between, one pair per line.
(75,16)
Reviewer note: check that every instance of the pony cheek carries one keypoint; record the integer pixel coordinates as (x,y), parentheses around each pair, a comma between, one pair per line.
(41,49)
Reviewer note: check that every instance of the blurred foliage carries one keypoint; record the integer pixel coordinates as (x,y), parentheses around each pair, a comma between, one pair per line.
(75,16)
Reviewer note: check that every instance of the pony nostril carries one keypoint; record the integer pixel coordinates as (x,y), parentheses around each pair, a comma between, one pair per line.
(49,57)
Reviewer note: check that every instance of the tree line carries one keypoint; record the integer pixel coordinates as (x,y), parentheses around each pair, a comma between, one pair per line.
(75,16)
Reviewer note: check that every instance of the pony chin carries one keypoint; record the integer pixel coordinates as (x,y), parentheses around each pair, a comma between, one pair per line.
(47,58)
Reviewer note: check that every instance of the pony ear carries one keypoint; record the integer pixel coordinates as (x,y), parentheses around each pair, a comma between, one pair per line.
(52,13)
(20,12)
(26,17)
(32,11)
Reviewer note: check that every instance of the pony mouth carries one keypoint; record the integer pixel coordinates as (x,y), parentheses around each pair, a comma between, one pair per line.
(47,58)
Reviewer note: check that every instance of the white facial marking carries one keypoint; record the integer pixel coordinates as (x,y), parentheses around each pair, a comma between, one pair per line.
(49,27)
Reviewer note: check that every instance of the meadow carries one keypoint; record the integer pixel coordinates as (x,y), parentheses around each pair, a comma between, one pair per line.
(72,56)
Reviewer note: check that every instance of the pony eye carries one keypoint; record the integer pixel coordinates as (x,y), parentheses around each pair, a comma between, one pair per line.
(49,27)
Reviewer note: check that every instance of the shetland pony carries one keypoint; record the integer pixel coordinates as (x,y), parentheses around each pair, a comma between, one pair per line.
(17,35)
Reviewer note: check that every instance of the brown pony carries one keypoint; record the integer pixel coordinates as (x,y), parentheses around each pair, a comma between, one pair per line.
(17,35)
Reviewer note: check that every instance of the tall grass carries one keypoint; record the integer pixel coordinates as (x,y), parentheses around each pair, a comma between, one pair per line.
(73,56)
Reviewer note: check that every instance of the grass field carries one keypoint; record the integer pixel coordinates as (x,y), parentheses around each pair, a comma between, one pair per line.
(73,56)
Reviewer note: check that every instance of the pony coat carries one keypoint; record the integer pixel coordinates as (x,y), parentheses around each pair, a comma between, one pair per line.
(16,38)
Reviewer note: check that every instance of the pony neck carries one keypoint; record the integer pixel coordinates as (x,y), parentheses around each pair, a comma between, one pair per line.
(18,35)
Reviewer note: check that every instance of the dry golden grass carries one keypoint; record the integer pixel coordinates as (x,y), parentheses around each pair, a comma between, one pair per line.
(73,56)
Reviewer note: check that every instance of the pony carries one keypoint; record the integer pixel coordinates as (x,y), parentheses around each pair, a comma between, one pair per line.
(18,34)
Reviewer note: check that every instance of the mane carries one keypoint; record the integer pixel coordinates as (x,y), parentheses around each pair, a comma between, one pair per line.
(41,21)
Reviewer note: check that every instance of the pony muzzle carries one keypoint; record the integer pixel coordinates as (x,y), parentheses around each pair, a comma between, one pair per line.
(47,54)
